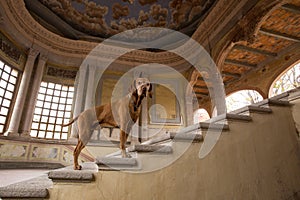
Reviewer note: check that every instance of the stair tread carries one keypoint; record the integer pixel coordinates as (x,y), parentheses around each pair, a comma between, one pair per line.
(204,126)
(116,161)
(186,136)
(231,116)
(151,148)
(86,174)
(252,108)
(33,188)
(274,102)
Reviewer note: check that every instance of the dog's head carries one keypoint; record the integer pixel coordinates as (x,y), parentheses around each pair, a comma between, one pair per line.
(143,87)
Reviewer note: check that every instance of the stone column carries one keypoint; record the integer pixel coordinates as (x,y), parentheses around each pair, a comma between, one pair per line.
(33,93)
(90,89)
(189,110)
(80,92)
(21,97)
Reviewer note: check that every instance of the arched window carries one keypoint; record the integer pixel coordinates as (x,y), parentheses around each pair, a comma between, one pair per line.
(289,80)
(242,98)
(8,81)
(201,115)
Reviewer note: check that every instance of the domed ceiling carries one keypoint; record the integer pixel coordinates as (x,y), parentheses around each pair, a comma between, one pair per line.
(91,19)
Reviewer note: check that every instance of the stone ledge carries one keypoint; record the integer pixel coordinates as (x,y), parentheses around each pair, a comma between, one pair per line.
(161,149)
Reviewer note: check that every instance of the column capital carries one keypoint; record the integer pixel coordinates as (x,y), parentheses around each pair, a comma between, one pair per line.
(33,52)
(43,57)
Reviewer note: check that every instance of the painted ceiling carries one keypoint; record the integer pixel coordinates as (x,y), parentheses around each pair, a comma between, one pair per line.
(104,18)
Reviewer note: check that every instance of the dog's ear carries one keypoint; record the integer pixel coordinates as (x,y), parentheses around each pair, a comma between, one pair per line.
(150,88)
(132,87)
(150,91)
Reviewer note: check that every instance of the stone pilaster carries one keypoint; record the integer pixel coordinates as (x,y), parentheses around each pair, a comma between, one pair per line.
(79,96)
(33,93)
(13,129)
(90,90)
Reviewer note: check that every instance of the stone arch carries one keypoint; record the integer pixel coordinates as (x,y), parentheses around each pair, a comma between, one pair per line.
(245,30)
(241,98)
(296,76)
(201,115)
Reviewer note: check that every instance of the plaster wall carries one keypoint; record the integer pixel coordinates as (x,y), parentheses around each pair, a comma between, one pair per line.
(254,160)
(296,114)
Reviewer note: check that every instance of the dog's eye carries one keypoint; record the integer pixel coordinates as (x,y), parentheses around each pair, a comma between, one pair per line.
(148,84)
(139,83)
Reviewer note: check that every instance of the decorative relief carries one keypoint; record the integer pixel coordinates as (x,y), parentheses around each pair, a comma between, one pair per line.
(44,153)
(67,156)
(12,150)
(61,73)
(9,49)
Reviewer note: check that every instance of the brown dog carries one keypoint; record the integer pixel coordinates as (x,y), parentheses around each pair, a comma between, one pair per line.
(120,114)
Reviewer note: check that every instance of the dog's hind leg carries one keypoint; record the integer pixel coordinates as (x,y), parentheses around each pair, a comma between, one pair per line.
(76,153)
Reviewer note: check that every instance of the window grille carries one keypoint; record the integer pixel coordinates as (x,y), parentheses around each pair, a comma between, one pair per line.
(53,108)
(8,81)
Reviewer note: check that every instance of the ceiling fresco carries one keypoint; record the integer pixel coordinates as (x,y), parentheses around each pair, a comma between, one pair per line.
(104,18)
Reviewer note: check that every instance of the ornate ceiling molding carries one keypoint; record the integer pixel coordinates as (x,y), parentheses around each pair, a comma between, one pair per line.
(56,46)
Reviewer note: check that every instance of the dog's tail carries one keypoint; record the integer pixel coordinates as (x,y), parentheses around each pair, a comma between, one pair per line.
(71,122)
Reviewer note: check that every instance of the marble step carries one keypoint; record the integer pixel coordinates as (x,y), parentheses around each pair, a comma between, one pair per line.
(68,174)
(30,189)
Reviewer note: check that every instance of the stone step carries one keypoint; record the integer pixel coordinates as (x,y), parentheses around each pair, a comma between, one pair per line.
(68,174)
(252,109)
(182,136)
(116,162)
(30,189)
(231,117)
(272,102)
(163,138)
(110,161)
(203,126)
(160,149)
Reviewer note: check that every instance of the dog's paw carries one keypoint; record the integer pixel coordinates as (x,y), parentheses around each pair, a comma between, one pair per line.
(77,167)
(127,155)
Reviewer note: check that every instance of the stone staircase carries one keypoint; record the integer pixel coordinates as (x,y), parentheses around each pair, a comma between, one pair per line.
(160,149)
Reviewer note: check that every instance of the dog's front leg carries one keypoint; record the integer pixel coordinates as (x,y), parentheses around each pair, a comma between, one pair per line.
(123,139)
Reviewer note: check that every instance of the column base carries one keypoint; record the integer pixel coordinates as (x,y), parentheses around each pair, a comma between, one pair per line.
(11,134)
(14,134)
(25,135)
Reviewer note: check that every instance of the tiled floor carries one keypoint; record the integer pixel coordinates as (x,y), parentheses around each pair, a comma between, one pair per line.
(11,176)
